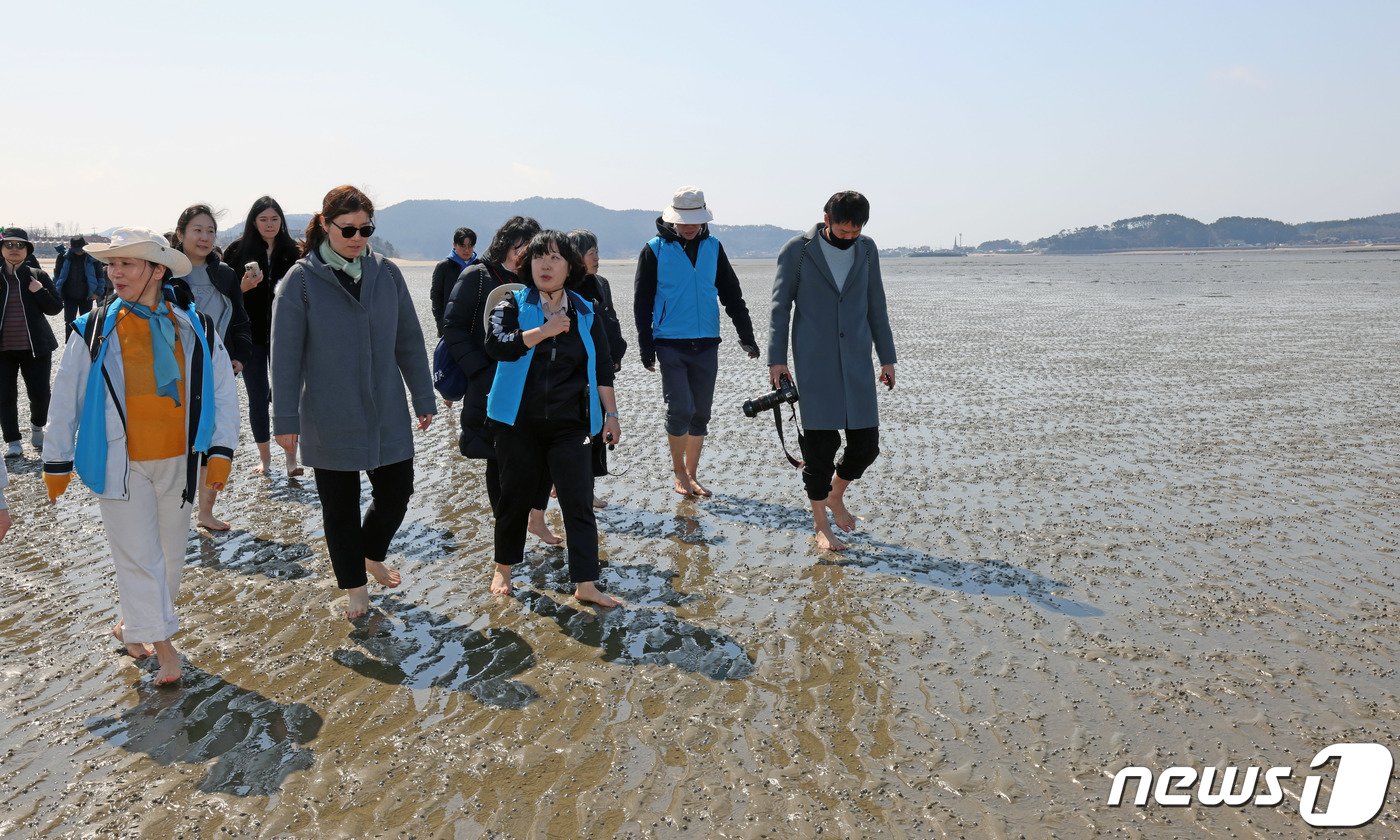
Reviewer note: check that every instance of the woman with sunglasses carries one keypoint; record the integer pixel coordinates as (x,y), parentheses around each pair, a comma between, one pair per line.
(216,293)
(262,254)
(345,341)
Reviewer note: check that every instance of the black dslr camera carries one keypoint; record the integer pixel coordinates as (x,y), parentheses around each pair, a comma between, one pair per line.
(786,393)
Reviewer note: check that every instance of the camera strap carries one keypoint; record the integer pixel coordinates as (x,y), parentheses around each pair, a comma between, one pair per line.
(778,421)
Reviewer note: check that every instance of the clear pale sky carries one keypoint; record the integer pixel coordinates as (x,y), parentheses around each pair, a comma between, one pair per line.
(986,119)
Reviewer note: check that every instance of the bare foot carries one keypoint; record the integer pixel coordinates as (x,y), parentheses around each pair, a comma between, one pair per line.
(170,665)
(134,650)
(682,485)
(294,471)
(500,581)
(540,528)
(359,602)
(386,575)
(843,517)
(261,468)
(209,522)
(826,541)
(588,593)
(697,488)
(598,503)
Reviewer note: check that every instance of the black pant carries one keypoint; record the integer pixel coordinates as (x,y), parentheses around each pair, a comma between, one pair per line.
(35,370)
(493,487)
(819,457)
(561,451)
(350,541)
(71,310)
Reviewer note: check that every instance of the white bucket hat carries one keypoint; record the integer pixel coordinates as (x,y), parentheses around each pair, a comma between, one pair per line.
(142,245)
(687,208)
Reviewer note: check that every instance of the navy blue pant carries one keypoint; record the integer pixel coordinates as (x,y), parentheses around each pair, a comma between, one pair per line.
(688,387)
(35,370)
(819,457)
(255,382)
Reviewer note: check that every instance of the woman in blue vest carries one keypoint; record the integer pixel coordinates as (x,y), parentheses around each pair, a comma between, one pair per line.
(680,273)
(553,392)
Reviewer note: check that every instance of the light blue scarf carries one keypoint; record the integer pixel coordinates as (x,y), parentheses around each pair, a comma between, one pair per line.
(339,263)
(162,346)
(90,457)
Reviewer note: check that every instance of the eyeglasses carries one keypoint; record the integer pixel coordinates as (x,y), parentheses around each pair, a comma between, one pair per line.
(349,231)
(13,245)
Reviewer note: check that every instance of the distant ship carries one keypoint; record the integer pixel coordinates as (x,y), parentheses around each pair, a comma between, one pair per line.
(956,251)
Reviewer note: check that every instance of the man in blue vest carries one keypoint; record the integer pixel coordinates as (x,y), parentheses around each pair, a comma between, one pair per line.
(78,279)
(680,272)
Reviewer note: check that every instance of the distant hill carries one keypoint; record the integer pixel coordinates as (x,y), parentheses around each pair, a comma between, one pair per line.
(1170,230)
(422,228)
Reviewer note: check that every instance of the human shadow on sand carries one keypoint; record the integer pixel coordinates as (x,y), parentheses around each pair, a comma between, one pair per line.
(981,577)
(683,525)
(242,553)
(631,635)
(409,645)
(424,543)
(255,741)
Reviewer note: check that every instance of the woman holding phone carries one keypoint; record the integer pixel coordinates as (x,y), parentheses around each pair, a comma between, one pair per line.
(552,392)
(262,255)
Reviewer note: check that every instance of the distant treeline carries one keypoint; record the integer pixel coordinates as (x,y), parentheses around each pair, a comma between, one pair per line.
(1169,230)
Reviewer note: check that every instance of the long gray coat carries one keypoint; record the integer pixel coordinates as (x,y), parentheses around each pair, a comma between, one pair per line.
(832,332)
(339,365)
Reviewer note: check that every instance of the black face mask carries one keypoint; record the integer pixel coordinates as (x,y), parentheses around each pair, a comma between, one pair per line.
(838,242)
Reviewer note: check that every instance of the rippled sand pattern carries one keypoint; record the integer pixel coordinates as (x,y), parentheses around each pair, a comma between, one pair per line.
(1128,511)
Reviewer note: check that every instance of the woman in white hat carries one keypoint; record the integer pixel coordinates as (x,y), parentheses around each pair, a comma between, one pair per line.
(682,278)
(136,434)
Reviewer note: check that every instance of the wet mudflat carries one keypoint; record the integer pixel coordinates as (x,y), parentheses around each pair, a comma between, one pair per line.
(1129,511)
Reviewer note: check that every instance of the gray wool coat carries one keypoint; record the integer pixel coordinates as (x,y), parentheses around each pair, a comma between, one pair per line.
(832,332)
(339,365)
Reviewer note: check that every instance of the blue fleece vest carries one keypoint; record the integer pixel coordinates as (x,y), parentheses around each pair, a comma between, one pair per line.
(686,305)
(89,269)
(503,403)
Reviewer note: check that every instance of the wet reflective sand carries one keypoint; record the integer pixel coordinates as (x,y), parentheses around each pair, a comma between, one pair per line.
(1129,511)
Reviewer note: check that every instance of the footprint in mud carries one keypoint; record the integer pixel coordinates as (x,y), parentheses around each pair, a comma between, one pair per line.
(413,646)
(245,554)
(630,636)
(254,739)
(982,577)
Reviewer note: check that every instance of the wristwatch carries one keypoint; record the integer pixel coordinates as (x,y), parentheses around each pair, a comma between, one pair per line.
(612,414)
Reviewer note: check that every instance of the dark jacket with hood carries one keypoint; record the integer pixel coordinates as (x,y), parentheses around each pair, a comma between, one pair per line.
(596,289)
(257,301)
(445,277)
(466,340)
(37,305)
(726,285)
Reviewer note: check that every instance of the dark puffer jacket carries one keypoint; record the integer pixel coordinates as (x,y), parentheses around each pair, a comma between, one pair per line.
(37,306)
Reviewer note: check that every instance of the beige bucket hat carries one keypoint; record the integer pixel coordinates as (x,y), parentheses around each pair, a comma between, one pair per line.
(494,299)
(687,208)
(142,245)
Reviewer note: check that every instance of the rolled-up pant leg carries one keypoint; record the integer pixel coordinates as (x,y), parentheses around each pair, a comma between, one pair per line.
(675,389)
(520,459)
(702,369)
(862,448)
(818,460)
(148,533)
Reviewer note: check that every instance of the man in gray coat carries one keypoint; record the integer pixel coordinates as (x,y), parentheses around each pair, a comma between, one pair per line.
(832,275)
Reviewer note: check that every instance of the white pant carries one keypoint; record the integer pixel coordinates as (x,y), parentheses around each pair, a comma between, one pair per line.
(148,533)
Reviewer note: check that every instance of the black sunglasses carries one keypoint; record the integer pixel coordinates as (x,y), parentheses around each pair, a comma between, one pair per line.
(349,231)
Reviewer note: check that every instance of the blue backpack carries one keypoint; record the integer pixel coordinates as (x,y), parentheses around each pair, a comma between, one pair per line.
(448,378)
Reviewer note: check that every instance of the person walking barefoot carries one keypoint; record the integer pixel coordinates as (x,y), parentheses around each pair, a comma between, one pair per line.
(164,365)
